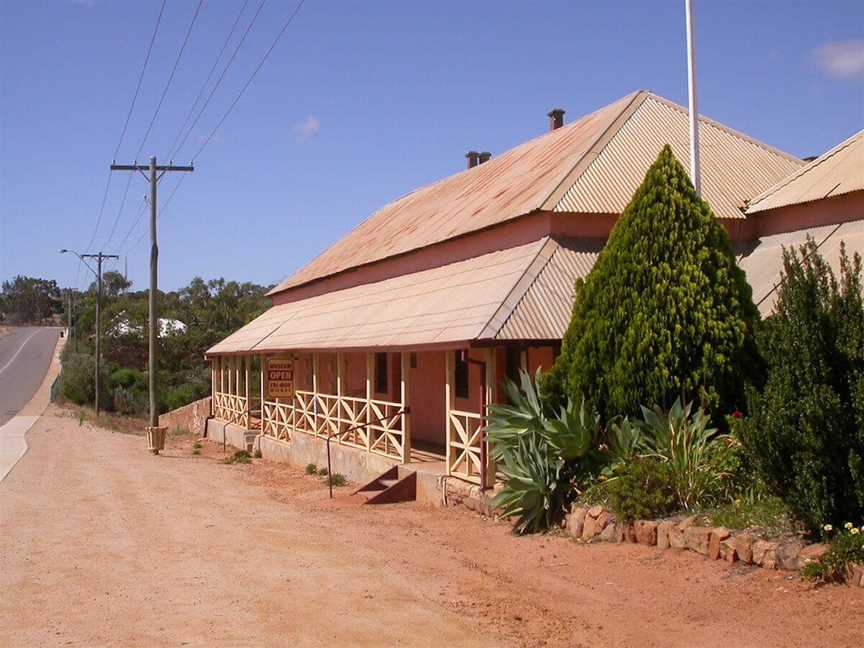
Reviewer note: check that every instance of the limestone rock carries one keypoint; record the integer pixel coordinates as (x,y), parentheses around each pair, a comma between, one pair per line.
(718,535)
(593,526)
(744,547)
(610,533)
(727,550)
(576,520)
(663,534)
(811,553)
(765,554)
(697,538)
(646,532)
(788,555)
(595,511)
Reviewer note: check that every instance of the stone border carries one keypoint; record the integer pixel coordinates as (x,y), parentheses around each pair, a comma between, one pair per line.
(716,543)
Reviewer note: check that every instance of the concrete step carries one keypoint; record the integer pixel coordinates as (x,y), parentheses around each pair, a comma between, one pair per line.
(389,487)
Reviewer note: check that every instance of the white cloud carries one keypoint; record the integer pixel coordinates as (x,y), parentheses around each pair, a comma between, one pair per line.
(306,129)
(842,60)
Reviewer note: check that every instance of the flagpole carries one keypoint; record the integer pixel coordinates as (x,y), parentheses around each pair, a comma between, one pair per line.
(695,174)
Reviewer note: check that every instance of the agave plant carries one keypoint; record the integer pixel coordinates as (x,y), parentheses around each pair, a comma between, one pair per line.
(538,452)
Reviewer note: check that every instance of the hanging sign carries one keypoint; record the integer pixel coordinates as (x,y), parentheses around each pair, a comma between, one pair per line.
(280,377)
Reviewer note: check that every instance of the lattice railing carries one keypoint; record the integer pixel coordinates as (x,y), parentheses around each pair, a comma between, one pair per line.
(231,408)
(465,441)
(375,426)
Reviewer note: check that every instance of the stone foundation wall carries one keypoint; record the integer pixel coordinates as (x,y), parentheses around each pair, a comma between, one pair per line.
(191,417)
(715,543)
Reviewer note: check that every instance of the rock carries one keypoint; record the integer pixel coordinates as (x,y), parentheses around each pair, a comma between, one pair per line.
(855,574)
(687,522)
(697,538)
(676,537)
(663,534)
(595,511)
(610,533)
(727,550)
(744,547)
(765,554)
(718,535)
(646,532)
(811,553)
(788,555)
(628,533)
(576,520)
(593,526)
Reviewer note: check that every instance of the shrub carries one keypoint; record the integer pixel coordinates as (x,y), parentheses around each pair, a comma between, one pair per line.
(540,454)
(805,434)
(847,547)
(78,380)
(311,469)
(338,479)
(641,489)
(239,457)
(664,311)
(181,395)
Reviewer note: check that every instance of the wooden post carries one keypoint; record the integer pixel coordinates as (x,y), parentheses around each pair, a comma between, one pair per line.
(449,379)
(406,418)
(315,391)
(523,360)
(263,360)
(370,372)
(230,373)
(491,395)
(247,365)
(221,374)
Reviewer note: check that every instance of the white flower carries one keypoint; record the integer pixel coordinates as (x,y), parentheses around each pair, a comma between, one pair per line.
(848,526)
(855,531)
(828,528)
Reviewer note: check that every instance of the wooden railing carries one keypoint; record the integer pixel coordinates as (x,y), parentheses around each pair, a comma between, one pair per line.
(372,425)
(466,454)
(231,408)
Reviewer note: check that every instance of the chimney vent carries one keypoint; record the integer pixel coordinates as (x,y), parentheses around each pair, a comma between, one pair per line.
(473,159)
(483,157)
(556,118)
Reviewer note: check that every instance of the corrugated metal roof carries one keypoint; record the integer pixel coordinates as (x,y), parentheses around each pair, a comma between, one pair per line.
(764,264)
(510,185)
(543,312)
(734,167)
(839,171)
(452,303)
(613,145)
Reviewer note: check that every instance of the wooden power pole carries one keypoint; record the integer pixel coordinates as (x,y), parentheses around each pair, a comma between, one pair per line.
(99,259)
(153,173)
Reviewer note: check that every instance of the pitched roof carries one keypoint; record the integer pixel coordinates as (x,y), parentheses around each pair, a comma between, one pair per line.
(590,165)
(482,298)
(764,264)
(839,171)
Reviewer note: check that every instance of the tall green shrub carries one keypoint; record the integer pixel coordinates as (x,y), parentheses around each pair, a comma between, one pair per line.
(806,430)
(664,312)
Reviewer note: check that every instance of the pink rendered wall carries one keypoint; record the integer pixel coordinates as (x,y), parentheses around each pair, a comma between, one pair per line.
(829,211)
(542,357)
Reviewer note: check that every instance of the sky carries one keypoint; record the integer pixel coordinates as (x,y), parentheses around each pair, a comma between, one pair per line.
(359,103)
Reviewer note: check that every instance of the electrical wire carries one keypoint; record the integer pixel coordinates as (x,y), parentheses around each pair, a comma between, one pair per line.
(219,80)
(123,133)
(173,148)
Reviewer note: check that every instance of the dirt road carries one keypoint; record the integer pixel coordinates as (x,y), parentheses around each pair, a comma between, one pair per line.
(103,545)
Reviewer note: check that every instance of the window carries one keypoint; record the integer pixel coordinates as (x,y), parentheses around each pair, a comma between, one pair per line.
(381,373)
(462,374)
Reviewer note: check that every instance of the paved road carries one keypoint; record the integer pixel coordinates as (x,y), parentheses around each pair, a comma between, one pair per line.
(25,355)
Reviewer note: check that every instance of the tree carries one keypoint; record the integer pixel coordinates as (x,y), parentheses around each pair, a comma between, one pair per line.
(806,430)
(30,299)
(665,311)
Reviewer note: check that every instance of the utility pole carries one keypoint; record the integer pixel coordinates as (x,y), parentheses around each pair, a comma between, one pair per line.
(98,272)
(154,173)
(695,174)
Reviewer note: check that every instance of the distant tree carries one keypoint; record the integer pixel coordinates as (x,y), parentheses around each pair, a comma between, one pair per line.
(665,311)
(30,299)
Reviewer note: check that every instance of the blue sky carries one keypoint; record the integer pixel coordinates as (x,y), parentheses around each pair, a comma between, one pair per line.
(359,103)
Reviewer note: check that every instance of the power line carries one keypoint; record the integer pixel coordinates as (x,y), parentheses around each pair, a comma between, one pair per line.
(123,134)
(219,80)
(170,78)
(155,115)
(173,147)
(252,77)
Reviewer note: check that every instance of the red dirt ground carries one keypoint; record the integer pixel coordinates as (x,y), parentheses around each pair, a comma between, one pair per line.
(105,545)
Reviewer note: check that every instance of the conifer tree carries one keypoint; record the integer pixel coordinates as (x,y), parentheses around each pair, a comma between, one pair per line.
(665,311)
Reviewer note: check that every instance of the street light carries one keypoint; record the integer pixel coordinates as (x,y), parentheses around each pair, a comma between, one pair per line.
(98,273)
